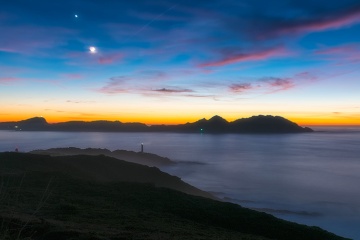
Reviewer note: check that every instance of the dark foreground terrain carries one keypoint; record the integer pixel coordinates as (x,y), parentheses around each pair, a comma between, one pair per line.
(144,158)
(46,197)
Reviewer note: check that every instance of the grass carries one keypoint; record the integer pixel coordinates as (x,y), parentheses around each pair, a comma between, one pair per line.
(47,204)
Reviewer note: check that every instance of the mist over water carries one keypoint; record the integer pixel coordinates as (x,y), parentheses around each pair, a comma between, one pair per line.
(310,178)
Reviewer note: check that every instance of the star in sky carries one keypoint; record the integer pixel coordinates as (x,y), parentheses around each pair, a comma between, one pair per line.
(92,49)
(180,60)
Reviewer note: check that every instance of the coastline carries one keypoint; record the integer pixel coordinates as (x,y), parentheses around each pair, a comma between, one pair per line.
(79,179)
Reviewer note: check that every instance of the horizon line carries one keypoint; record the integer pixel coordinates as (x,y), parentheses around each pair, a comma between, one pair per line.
(300,123)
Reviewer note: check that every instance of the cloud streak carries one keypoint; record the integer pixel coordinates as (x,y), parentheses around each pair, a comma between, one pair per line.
(37,39)
(279,84)
(233,58)
(9,80)
(349,53)
(240,87)
(270,85)
(110,58)
(173,90)
(115,85)
(329,22)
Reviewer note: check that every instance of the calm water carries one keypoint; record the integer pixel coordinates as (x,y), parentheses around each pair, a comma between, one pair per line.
(311,178)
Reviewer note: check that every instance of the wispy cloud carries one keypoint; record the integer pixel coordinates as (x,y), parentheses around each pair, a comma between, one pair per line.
(153,75)
(261,55)
(73,75)
(145,87)
(37,38)
(279,84)
(269,85)
(337,50)
(344,54)
(110,58)
(173,90)
(115,85)
(328,22)
(240,87)
(8,80)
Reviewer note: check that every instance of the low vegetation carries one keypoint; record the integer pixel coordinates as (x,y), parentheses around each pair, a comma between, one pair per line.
(39,203)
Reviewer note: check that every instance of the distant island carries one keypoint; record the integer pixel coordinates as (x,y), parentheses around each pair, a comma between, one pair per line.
(216,124)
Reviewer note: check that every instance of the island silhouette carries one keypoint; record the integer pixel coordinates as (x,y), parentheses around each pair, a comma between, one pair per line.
(216,124)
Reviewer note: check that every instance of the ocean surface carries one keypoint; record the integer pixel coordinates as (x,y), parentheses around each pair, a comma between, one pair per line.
(309,178)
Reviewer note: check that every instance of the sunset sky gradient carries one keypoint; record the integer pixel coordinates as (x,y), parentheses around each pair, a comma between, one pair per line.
(179,61)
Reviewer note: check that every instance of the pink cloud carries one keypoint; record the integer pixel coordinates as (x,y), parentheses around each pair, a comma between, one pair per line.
(269,85)
(76,58)
(240,87)
(73,76)
(7,80)
(350,48)
(280,83)
(110,58)
(332,22)
(244,57)
(11,70)
(345,54)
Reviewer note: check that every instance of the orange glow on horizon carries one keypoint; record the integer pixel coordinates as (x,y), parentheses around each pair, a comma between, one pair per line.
(177,119)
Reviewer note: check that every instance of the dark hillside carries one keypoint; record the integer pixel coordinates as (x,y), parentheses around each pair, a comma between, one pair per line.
(95,168)
(51,198)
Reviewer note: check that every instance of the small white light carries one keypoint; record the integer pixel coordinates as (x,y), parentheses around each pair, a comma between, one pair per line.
(92,49)
(76,16)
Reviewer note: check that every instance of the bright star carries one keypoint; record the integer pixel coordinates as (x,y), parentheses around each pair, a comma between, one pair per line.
(76,16)
(92,49)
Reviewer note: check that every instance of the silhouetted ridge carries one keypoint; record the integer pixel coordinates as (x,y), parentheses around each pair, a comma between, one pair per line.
(33,124)
(266,124)
(143,158)
(35,120)
(98,197)
(217,120)
(216,124)
(101,126)
(100,168)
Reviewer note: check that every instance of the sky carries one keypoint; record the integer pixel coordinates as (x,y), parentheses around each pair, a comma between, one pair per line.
(179,61)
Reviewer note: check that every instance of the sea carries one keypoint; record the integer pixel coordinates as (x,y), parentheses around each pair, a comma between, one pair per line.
(308,178)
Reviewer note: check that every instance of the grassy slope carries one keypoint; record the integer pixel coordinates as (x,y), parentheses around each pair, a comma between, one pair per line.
(73,207)
(144,158)
(97,168)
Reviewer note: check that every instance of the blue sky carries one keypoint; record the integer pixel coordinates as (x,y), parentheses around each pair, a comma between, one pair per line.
(172,62)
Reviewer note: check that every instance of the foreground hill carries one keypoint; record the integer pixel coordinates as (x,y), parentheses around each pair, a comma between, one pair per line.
(51,198)
(216,124)
(143,158)
(96,168)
